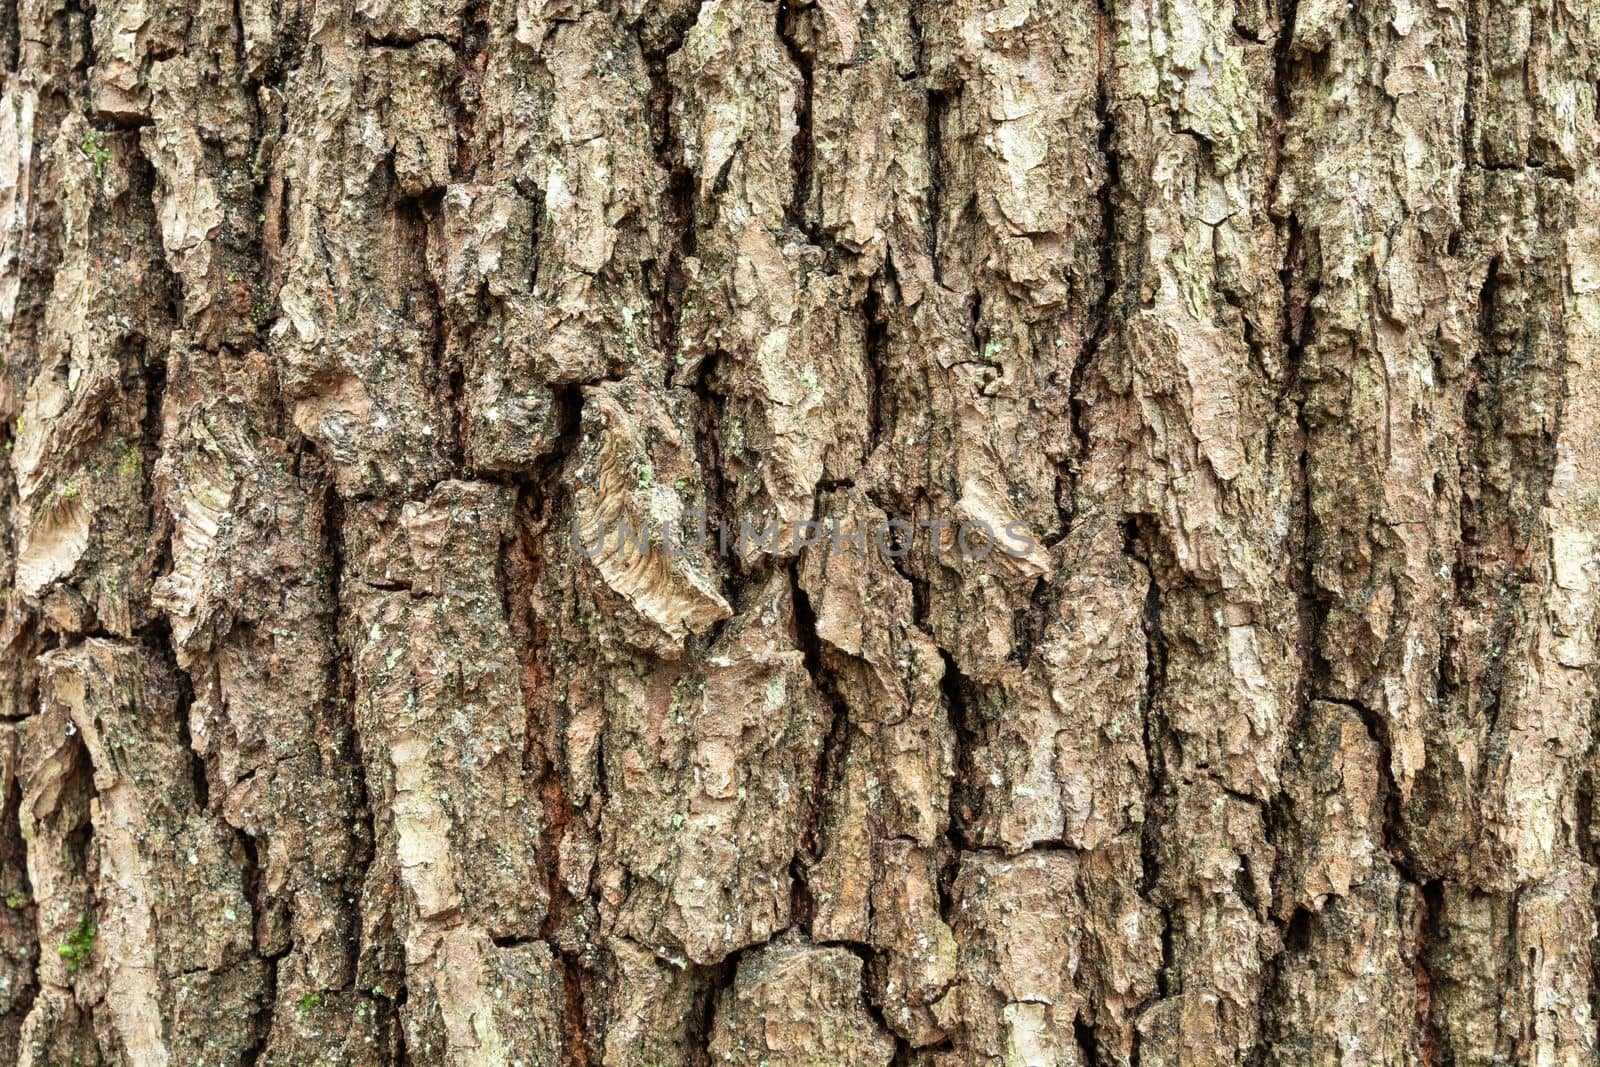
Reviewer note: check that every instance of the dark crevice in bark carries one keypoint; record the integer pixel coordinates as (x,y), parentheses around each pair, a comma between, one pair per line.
(574,1031)
(542,767)
(1101,323)
(1136,547)
(1294,940)
(1585,830)
(1045,846)
(1560,173)
(67,80)
(539,496)
(468,89)
(836,739)
(708,451)
(236,13)
(1428,936)
(274,210)
(661,37)
(902,1048)
(1506,477)
(1088,1046)
(403,41)
(1137,534)
(906,1056)
(1471,149)
(899,544)
(255,892)
(1298,289)
(76,845)
(426,222)
(1297,931)
(1594,950)
(10,36)
(668,280)
(19,924)
(1164,987)
(402,1051)
(718,979)
(513,941)
(940,100)
(551,466)
(1585,834)
(1394,837)
(832,754)
(342,684)
(109,122)
(157,636)
(957,694)
(876,348)
(1512,1031)
(706,415)
(153,365)
(804,63)
(1029,626)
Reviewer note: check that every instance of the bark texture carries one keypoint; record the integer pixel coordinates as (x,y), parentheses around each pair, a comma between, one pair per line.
(322,741)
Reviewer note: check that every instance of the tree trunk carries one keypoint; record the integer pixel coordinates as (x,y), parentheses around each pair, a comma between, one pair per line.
(1149,463)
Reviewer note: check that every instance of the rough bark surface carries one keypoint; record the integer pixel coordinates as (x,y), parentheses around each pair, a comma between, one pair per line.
(324,741)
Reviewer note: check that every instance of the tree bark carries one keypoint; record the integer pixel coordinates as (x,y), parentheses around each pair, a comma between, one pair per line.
(334,332)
